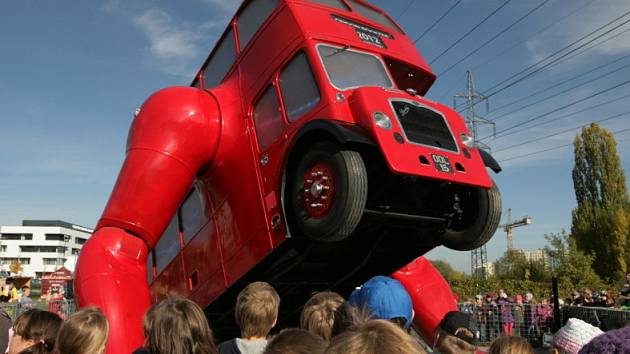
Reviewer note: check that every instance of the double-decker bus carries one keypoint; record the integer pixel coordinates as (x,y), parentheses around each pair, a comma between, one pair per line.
(303,154)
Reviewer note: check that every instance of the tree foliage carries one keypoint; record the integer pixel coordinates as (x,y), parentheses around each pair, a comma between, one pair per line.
(446,269)
(16,267)
(601,221)
(515,265)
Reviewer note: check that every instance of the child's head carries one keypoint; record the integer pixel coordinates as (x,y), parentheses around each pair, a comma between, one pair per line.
(84,332)
(34,331)
(296,341)
(386,299)
(374,336)
(512,345)
(346,317)
(178,326)
(318,313)
(256,309)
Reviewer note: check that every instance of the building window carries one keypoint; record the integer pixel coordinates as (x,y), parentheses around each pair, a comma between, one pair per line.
(75,251)
(54,261)
(55,237)
(9,260)
(44,249)
(79,240)
(268,118)
(17,236)
(299,90)
(3,248)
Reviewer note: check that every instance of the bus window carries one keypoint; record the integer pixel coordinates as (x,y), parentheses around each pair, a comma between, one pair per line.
(268,118)
(374,15)
(150,267)
(348,69)
(298,87)
(168,246)
(192,213)
(221,61)
(332,3)
(252,17)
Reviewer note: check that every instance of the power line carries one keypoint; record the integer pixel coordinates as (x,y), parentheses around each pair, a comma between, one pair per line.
(544,29)
(437,21)
(554,54)
(562,92)
(562,107)
(404,11)
(564,116)
(555,148)
(561,132)
(494,37)
(578,76)
(470,31)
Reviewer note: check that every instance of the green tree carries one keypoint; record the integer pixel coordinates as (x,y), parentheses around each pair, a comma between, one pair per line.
(448,272)
(515,265)
(600,224)
(573,267)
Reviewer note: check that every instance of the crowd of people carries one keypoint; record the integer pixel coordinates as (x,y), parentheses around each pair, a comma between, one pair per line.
(377,318)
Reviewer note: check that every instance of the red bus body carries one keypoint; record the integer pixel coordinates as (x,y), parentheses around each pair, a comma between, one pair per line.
(200,205)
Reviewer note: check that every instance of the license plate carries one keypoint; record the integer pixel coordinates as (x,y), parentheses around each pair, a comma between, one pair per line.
(370,38)
(442,163)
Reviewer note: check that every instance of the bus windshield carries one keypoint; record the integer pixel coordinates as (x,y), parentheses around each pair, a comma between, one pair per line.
(348,69)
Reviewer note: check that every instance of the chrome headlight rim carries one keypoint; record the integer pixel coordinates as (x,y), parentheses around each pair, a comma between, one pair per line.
(382,121)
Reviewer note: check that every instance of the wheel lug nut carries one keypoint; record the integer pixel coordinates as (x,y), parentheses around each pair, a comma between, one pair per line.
(320,173)
(326,188)
(309,181)
(325,178)
(314,205)
(314,174)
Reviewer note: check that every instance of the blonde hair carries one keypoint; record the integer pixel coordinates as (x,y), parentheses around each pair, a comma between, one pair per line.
(318,314)
(510,345)
(256,309)
(374,337)
(84,332)
(449,344)
(178,326)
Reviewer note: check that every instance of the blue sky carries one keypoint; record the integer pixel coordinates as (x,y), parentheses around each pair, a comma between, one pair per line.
(73,73)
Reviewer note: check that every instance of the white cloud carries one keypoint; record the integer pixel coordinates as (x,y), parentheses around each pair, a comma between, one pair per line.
(169,39)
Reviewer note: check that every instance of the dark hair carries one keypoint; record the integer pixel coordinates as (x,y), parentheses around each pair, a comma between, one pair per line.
(296,341)
(40,327)
(347,316)
(178,326)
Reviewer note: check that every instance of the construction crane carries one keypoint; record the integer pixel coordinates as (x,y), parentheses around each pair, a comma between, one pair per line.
(526,220)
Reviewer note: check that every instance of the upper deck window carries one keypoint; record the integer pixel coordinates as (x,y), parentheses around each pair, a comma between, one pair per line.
(332,3)
(298,86)
(168,246)
(350,69)
(192,214)
(221,61)
(252,17)
(374,15)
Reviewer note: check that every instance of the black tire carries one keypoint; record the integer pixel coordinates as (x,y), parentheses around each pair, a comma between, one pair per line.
(348,201)
(481,216)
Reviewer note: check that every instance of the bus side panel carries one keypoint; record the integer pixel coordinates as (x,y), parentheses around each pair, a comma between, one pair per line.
(169,283)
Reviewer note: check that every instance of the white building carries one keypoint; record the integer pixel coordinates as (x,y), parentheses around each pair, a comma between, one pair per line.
(538,256)
(42,246)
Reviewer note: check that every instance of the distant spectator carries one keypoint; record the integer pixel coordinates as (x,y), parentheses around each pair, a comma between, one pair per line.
(574,335)
(456,334)
(5,296)
(544,314)
(519,316)
(84,332)
(587,297)
(510,345)
(492,317)
(624,292)
(34,332)
(256,313)
(374,337)
(318,313)
(5,326)
(177,326)
(346,317)
(612,342)
(296,341)
(480,317)
(386,299)
(576,298)
(507,320)
(26,300)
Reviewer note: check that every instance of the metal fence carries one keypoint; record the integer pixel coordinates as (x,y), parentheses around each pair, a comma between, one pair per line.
(533,322)
(61,307)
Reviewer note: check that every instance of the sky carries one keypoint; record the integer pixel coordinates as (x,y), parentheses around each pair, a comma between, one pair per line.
(73,73)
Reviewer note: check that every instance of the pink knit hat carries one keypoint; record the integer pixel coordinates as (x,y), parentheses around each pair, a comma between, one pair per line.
(574,335)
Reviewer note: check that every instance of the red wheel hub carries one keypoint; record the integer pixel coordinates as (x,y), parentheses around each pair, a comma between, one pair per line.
(319,189)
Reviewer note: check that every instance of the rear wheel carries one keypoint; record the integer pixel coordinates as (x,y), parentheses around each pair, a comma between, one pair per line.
(327,192)
(478,218)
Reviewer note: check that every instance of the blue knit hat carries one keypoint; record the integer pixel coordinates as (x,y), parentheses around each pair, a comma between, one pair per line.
(385,298)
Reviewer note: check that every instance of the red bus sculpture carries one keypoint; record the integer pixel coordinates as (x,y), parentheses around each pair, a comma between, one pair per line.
(303,154)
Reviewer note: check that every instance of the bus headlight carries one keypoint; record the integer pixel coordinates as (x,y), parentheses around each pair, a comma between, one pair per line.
(382,120)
